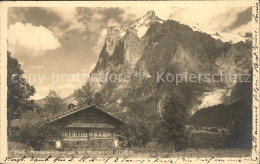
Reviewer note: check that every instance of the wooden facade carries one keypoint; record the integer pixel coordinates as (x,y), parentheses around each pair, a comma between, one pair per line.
(86,124)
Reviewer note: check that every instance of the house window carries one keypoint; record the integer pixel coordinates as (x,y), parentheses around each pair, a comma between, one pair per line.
(76,133)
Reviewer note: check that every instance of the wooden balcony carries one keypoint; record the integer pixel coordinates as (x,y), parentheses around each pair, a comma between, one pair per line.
(87,138)
(89,125)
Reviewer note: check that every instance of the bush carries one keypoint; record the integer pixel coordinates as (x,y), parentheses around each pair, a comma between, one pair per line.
(36,136)
(135,134)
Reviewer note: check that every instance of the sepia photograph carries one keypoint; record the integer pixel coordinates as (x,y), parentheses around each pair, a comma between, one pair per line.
(130,82)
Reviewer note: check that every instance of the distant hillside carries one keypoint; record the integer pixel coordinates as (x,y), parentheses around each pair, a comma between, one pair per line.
(41,102)
(70,99)
(67,100)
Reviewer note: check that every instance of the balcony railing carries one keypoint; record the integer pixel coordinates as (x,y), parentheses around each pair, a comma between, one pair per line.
(86,138)
(90,125)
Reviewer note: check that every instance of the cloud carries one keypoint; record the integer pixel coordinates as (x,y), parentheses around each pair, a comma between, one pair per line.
(67,89)
(98,16)
(112,22)
(33,39)
(37,67)
(57,31)
(100,41)
(64,89)
(90,22)
(242,30)
(132,13)
(210,19)
(37,96)
(69,16)
(41,92)
(88,69)
(99,31)
(67,86)
(242,19)
(16,13)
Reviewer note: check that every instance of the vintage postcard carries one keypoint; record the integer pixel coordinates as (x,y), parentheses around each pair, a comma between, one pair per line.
(130,82)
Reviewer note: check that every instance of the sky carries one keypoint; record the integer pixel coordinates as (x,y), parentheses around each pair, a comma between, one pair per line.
(54,44)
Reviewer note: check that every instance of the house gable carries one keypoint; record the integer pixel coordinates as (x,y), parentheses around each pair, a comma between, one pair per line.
(90,114)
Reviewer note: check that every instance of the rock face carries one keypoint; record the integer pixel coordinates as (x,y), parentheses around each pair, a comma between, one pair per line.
(149,47)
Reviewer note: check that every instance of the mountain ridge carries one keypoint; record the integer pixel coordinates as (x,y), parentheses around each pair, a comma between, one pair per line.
(172,47)
(150,45)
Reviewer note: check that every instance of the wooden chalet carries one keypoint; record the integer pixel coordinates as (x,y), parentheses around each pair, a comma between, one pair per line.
(82,125)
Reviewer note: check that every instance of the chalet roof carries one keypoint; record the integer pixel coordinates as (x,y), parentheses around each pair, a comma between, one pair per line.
(75,110)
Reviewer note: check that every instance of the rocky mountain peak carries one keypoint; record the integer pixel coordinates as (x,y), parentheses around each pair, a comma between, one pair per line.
(146,20)
(113,35)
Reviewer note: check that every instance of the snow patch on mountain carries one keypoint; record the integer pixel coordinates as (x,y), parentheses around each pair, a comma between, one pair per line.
(209,99)
(142,24)
(141,31)
(212,98)
(229,37)
(224,37)
(145,20)
(122,33)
